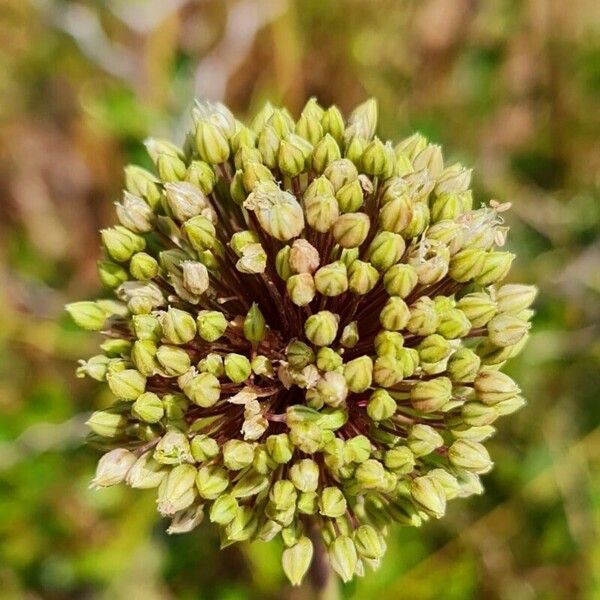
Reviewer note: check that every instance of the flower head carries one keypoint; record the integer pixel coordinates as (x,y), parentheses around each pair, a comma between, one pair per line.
(308,328)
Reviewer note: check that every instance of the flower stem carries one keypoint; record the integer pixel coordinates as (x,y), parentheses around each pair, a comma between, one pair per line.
(323,583)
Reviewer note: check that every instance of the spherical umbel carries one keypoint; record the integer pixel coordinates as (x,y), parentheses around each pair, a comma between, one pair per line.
(306,334)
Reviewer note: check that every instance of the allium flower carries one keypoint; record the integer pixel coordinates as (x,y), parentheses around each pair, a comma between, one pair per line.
(307,332)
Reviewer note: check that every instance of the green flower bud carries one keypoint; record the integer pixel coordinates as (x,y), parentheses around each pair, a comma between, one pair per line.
(388,343)
(514,297)
(309,127)
(111,274)
(148,408)
(145,473)
(277,211)
(200,233)
(211,143)
(282,495)
(280,448)
(237,455)
(211,481)
(211,325)
(362,277)
(262,366)
(243,526)
(173,449)
(434,348)
(509,406)
(447,205)
(449,233)
(237,187)
(296,560)
(195,277)
(492,387)
(343,558)
(127,384)
(411,146)
(363,120)
(424,319)
(331,280)
(170,168)
(463,365)
(385,250)
(467,264)
(237,367)
(96,367)
(333,123)
(400,460)
(201,175)
(478,307)
(142,183)
(381,406)
(359,374)
(370,475)
(331,389)
(388,371)
(155,147)
(203,389)
(87,315)
(470,455)
(332,502)
(431,395)
(113,468)
(369,542)
(454,324)
(321,211)
(350,230)
(495,268)
(308,503)
(307,437)
(326,151)
(350,197)
(429,494)
(328,359)
(147,327)
(396,214)
(290,159)
(301,289)
(175,406)
(506,330)
(349,337)
(143,267)
(418,222)
(254,325)
(223,509)
(185,200)
(176,491)
(395,315)
(203,448)
(423,440)
(299,354)
(477,414)
(175,361)
(305,475)
(107,423)
(453,179)
(321,328)
(212,363)
(178,326)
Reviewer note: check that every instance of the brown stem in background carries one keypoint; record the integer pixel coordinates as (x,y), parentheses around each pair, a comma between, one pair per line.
(320,578)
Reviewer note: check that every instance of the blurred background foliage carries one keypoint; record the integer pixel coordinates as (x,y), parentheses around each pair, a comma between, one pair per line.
(509,86)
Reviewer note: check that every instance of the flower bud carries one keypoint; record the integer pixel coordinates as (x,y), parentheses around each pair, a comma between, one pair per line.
(175,361)
(381,406)
(333,123)
(332,389)
(492,387)
(211,143)
(429,494)
(463,365)
(514,297)
(396,214)
(148,408)
(506,330)
(185,200)
(359,373)
(301,289)
(470,455)
(304,474)
(350,230)
(147,327)
(509,406)
(424,319)
(237,455)
(277,211)
(385,250)
(290,158)
(349,337)
(395,315)
(254,325)
(375,159)
(280,448)
(203,448)
(418,222)
(175,406)
(96,367)
(203,389)
(331,280)
(170,168)
(332,502)
(87,315)
(173,449)
(321,328)
(211,481)
(223,509)
(111,274)
(127,384)
(211,325)
(321,211)
(176,492)
(449,233)
(268,145)
(363,120)
(478,307)
(350,197)
(388,371)
(495,268)
(447,206)
(453,324)
(309,127)
(262,366)
(423,440)
(195,277)
(343,558)
(201,175)
(142,183)
(467,264)
(299,354)
(433,349)
(243,525)
(113,468)
(178,326)
(400,280)
(369,542)
(453,179)
(200,233)
(134,213)
(326,152)
(143,267)
(107,423)
(399,460)
(388,343)
(145,473)
(237,367)
(296,560)
(432,395)
(307,437)
(304,257)
(363,277)
(254,172)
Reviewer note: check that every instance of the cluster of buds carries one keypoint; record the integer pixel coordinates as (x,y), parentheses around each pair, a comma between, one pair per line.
(306,334)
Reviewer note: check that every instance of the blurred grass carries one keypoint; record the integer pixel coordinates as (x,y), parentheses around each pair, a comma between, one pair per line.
(511,87)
